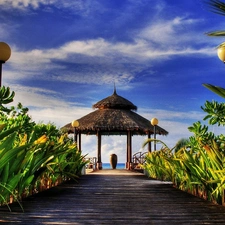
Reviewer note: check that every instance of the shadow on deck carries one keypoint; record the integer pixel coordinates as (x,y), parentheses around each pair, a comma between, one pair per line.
(114,197)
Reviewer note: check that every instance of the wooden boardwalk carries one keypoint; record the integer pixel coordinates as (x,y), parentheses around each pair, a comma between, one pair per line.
(114,197)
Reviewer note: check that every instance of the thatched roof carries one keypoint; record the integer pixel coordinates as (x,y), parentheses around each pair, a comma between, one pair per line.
(115,102)
(114,116)
(114,122)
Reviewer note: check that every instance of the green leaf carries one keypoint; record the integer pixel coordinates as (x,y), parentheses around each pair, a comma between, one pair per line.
(216,89)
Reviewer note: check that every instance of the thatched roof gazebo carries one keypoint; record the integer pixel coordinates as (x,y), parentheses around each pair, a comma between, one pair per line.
(115,116)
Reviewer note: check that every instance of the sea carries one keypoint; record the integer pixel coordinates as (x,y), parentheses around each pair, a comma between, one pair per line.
(118,166)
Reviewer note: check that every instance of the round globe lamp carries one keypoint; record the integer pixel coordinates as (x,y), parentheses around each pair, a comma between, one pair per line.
(154,121)
(5,53)
(75,123)
(221,52)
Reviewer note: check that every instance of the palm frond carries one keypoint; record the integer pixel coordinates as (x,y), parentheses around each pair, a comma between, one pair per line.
(216,33)
(216,6)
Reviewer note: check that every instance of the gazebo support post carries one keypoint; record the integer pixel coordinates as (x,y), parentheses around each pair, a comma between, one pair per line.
(129,165)
(99,162)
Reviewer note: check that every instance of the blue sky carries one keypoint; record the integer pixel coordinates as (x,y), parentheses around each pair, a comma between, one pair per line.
(66,56)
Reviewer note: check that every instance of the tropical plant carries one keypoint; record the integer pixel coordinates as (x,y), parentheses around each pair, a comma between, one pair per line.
(6,97)
(198,172)
(197,167)
(33,156)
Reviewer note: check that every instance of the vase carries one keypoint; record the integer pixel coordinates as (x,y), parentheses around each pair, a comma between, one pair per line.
(113,161)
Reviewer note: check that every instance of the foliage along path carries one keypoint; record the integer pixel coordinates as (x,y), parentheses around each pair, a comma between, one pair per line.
(114,197)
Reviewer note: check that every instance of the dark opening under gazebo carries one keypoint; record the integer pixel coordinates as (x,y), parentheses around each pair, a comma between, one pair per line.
(115,115)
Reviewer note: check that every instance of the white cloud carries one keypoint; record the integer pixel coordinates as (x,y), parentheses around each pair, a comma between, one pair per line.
(21,4)
(44,107)
(59,116)
(98,55)
(36,97)
(176,35)
(75,6)
(155,42)
(171,115)
(96,47)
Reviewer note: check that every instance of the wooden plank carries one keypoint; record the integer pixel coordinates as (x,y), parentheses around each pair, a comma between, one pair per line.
(114,198)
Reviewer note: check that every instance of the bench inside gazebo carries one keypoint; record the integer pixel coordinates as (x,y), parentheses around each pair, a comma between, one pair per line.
(115,115)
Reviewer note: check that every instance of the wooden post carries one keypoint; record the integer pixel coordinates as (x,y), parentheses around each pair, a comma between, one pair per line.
(129,151)
(99,162)
(127,162)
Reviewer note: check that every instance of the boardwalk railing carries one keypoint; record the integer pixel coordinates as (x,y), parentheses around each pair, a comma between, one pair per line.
(139,159)
(92,163)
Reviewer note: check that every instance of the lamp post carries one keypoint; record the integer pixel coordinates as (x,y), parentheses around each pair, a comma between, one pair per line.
(154,122)
(75,124)
(5,53)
